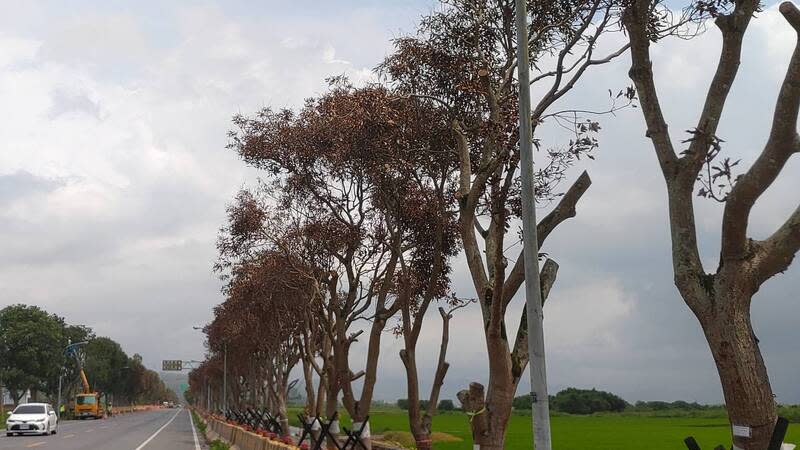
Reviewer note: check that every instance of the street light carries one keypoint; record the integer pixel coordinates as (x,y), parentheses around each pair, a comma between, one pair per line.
(70,349)
(224,372)
(540,408)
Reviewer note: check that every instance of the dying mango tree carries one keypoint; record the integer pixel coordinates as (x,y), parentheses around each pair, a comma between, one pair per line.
(271,289)
(414,188)
(322,160)
(256,224)
(257,329)
(721,299)
(464,59)
(205,384)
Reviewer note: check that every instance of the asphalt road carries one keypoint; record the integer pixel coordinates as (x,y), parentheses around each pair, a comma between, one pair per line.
(167,429)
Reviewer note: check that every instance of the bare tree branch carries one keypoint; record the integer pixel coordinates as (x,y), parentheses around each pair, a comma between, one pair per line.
(565,209)
(733,27)
(783,142)
(635,19)
(779,249)
(520,355)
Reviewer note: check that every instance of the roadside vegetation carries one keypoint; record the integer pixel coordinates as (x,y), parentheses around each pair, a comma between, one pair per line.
(199,423)
(369,190)
(218,445)
(32,356)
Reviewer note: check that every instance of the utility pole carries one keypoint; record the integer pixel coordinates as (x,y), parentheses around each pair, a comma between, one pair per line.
(530,241)
(58,404)
(225,376)
(71,350)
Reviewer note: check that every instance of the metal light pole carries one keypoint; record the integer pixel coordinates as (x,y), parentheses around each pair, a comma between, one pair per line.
(58,405)
(224,378)
(71,349)
(533,294)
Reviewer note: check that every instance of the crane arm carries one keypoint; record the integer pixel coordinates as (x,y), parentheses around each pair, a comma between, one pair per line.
(86,388)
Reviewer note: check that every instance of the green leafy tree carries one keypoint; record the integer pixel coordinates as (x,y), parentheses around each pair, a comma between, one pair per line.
(106,365)
(30,349)
(586,401)
(523,402)
(446,405)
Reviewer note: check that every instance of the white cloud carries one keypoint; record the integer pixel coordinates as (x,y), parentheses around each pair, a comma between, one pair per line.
(587,318)
(114,178)
(135,128)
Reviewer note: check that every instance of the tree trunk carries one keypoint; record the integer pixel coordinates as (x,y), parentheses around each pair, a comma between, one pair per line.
(500,403)
(421,433)
(500,396)
(743,374)
(308,378)
(331,405)
(475,406)
(283,417)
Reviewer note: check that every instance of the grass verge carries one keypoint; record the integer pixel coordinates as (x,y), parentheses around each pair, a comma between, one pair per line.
(199,423)
(219,445)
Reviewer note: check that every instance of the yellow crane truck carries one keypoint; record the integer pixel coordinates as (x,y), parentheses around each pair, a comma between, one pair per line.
(87,403)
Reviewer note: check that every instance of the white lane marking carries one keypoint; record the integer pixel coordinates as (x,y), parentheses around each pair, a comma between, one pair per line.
(194,433)
(157,431)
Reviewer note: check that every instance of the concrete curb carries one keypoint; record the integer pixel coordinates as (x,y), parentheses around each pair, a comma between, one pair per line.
(239,438)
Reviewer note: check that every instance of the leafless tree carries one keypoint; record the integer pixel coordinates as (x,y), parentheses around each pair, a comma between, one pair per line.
(721,300)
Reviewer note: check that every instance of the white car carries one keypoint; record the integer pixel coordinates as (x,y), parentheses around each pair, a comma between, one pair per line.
(37,418)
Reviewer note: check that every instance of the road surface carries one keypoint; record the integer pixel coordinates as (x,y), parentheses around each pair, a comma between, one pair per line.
(165,429)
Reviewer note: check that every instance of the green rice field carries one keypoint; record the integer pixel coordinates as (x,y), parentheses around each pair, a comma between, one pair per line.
(596,432)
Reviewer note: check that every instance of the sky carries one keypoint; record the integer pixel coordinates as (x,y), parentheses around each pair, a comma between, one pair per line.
(114,179)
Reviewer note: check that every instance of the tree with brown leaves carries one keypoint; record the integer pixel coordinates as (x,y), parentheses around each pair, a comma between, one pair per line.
(414,187)
(464,59)
(322,161)
(258,327)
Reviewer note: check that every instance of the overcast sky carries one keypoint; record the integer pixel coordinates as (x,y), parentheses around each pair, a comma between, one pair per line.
(114,179)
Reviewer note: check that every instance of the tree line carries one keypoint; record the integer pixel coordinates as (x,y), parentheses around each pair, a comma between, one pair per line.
(32,358)
(368,192)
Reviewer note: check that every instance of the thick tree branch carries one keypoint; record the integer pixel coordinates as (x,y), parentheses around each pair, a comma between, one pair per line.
(783,142)
(565,209)
(635,19)
(442,365)
(778,251)
(520,356)
(733,27)
(468,200)
(687,266)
